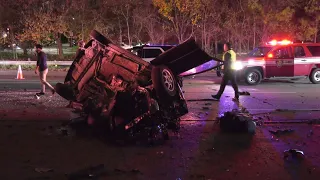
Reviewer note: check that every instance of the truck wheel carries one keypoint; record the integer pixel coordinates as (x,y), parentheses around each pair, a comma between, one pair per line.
(99,37)
(253,77)
(315,76)
(163,82)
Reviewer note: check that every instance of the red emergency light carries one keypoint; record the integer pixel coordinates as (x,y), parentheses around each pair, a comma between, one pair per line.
(270,55)
(275,42)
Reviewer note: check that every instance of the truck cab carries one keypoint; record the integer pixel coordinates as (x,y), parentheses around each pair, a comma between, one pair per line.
(281,59)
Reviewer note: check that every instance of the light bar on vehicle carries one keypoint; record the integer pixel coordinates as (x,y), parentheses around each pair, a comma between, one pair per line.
(275,42)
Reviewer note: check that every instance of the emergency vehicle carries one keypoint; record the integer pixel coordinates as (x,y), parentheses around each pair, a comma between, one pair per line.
(280,59)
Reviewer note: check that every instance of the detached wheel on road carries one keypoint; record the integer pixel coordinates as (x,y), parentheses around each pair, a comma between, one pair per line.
(164,82)
(253,77)
(315,76)
(99,37)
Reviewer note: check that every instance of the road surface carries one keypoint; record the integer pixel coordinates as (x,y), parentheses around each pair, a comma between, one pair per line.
(32,148)
(289,100)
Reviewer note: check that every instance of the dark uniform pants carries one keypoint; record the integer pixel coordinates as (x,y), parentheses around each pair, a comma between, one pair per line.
(218,70)
(229,76)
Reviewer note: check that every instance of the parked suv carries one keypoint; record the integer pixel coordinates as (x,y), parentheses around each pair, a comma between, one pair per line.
(112,85)
(148,52)
(281,59)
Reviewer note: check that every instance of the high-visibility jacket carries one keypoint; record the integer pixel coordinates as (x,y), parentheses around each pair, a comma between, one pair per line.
(233,58)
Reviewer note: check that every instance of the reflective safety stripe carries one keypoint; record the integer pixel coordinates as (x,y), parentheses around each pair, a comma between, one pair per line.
(279,62)
(284,62)
(309,60)
(233,58)
(268,63)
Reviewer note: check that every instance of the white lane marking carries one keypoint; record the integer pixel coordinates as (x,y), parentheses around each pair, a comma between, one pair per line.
(233,92)
(283,110)
(251,89)
(266,92)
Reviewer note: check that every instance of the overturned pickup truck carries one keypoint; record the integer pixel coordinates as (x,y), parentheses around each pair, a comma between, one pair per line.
(129,95)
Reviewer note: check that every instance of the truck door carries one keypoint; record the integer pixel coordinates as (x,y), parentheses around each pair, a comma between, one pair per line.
(301,64)
(280,63)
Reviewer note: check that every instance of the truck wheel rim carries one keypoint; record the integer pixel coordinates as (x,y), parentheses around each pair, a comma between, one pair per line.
(168,80)
(317,76)
(253,77)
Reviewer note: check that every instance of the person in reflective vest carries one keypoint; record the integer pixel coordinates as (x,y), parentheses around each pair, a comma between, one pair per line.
(229,58)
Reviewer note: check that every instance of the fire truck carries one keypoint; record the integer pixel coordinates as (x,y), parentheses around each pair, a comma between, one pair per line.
(280,59)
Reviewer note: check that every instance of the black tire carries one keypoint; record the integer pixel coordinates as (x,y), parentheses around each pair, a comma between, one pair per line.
(164,82)
(99,37)
(314,76)
(253,77)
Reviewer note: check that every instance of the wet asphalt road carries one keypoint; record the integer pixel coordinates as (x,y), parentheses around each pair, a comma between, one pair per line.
(30,140)
(275,100)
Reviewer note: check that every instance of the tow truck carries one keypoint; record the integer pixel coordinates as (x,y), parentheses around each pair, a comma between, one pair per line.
(280,59)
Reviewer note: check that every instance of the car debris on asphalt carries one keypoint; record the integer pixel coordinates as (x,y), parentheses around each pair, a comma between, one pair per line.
(130,96)
(43,170)
(244,93)
(281,131)
(92,172)
(294,153)
(237,122)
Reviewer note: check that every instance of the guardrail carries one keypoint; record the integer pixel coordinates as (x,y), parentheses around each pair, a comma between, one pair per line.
(58,63)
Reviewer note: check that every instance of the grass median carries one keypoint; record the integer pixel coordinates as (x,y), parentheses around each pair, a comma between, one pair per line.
(32,67)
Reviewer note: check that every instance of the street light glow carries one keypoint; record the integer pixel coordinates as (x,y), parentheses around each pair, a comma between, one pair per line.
(4,35)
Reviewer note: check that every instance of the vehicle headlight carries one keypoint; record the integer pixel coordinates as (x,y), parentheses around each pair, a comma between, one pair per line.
(238,65)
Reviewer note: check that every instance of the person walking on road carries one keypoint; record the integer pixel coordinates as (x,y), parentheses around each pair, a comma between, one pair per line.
(42,70)
(229,58)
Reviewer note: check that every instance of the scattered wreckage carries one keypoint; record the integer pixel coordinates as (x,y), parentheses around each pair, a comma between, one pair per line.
(237,122)
(131,96)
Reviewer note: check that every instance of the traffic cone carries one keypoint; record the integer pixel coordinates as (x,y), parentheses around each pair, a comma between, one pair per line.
(19,74)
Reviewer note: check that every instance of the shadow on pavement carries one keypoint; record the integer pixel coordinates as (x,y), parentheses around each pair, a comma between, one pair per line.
(299,168)
(222,151)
